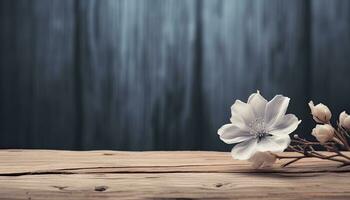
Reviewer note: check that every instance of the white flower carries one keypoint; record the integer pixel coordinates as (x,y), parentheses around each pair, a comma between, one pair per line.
(323,133)
(259,125)
(262,159)
(344,120)
(320,112)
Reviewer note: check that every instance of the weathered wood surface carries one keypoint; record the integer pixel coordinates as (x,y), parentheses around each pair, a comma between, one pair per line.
(39,174)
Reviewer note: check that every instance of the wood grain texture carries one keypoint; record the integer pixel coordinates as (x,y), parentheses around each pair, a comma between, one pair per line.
(248,46)
(16,162)
(37,174)
(37,74)
(330,54)
(137,74)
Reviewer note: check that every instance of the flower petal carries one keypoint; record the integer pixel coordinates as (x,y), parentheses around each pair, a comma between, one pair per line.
(258,103)
(231,134)
(244,150)
(275,110)
(239,122)
(273,143)
(262,159)
(244,110)
(285,126)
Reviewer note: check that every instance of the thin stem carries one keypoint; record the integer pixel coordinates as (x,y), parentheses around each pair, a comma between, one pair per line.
(344,143)
(288,157)
(306,149)
(313,154)
(292,161)
(340,140)
(343,135)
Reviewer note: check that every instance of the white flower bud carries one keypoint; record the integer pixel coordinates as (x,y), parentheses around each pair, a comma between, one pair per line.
(323,133)
(262,159)
(320,112)
(344,120)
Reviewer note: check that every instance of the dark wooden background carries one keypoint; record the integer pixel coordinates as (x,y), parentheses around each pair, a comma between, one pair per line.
(161,74)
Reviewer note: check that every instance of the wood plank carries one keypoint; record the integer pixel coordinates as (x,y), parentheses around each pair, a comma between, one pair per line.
(330,54)
(250,45)
(50,161)
(137,74)
(162,175)
(37,74)
(179,185)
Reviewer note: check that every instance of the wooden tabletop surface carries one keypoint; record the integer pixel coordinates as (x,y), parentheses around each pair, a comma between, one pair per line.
(50,174)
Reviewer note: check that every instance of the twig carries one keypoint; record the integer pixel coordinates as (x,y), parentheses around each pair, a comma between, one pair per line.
(292,161)
(306,149)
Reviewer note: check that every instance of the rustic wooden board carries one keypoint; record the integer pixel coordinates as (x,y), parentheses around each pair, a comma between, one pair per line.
(37,174)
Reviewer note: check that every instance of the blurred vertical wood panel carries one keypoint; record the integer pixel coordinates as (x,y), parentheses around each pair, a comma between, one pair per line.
(37,79)
(161,74)
(250,45)
(15,79)
(137,74)
(331,54)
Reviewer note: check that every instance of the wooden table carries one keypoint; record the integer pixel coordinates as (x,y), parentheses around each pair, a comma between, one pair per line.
(48,174)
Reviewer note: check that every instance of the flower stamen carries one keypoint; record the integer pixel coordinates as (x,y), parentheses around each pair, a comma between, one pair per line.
(257,128)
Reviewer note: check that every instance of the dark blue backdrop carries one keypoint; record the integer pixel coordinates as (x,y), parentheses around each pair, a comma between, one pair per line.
(161,74)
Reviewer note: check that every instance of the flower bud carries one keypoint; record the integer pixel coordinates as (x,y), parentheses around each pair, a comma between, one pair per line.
(323,133)
(320,112)
(262,159)
(344,120)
